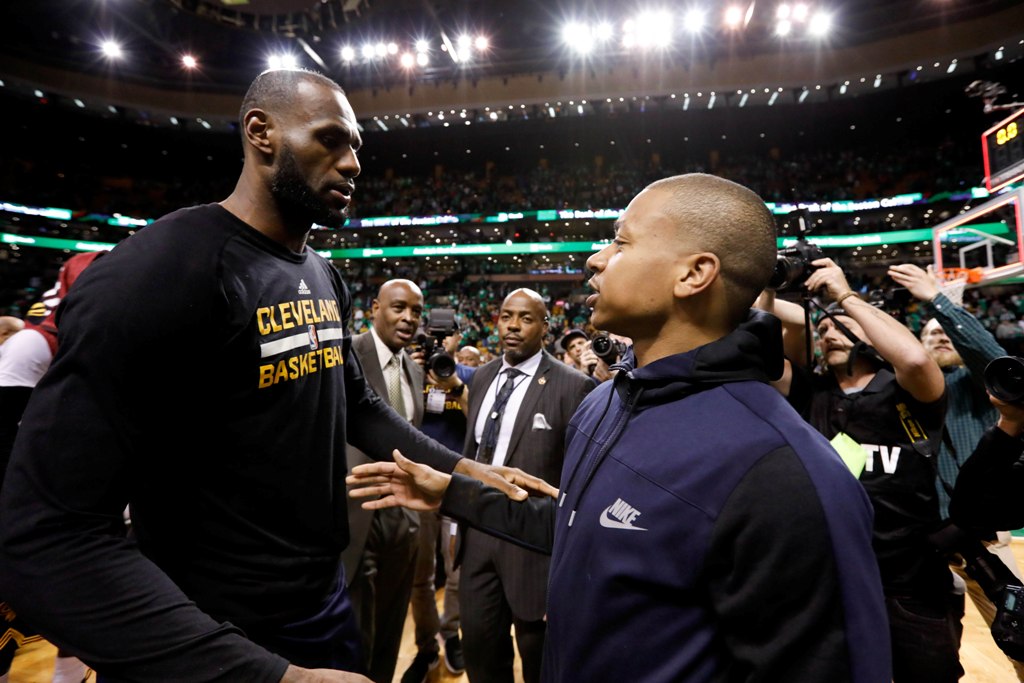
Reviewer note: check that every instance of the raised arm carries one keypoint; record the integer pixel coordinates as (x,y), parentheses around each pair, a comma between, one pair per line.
(915,370)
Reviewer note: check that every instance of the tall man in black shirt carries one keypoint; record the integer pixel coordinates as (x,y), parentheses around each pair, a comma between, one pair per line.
(205,376)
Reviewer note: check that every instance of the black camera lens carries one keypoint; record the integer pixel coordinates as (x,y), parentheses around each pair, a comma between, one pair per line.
(1004,378)
(441,364)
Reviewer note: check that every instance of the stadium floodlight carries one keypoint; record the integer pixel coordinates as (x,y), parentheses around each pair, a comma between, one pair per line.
(282,61)
(820,25)
(111,50)
(693,20)
(368,51)
(578,37)
(407,60)
(783,27)
(464,41)
(392,48)
(380,50)
(348,53)
(800,11)
(422,46)
(733,16)
(603,31)
(481,43)
(422,59)
(782,11)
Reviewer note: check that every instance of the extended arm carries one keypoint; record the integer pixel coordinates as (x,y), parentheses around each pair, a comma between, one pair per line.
(915,371)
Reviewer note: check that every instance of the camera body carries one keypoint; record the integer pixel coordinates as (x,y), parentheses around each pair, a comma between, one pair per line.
(1000,585)
(607,349)
(440,323)
(793,265)
(1004,378)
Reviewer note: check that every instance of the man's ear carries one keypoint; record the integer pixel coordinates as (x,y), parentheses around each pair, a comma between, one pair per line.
(695,273)
(257,130)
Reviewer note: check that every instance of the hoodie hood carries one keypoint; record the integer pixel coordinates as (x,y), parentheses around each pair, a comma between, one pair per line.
(751,352)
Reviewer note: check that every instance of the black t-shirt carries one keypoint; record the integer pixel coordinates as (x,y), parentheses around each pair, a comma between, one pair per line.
(900,437)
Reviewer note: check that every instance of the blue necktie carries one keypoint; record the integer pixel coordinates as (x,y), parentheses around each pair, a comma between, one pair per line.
(492,425)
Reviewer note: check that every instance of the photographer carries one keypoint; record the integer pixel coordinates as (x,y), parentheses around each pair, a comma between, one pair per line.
(887,424)
(962,347)
(988,492)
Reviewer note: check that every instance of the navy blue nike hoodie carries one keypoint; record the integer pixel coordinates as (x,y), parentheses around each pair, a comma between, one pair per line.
(705,532)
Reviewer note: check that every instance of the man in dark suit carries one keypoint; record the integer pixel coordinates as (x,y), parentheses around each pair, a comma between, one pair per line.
(519,408)
(380,558)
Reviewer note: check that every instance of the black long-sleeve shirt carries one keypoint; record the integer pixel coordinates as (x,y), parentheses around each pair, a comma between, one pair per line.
(988,491)
(203,377)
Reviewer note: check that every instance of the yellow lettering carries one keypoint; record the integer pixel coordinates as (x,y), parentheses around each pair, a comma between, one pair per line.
(293,368)
(335,313)
(309,311)
(313,365)
(266,376)
(304,364)
(262,315)
(274,325)
(281,373)
(286,315)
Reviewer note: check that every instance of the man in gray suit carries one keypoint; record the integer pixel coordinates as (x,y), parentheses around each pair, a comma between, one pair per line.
(519,408)
(380,558)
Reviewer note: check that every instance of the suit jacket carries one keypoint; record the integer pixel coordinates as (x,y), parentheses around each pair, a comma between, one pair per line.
(358,518)
(555,392)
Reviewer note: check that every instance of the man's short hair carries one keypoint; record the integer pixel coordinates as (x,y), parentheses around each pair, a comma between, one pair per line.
(731,222)
(275,87)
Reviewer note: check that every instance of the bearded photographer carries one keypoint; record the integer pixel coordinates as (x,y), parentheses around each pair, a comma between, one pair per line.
(962,347)
(882,404)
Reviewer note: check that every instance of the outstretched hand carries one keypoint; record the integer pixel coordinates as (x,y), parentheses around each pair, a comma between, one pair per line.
(511,481)
(402,483)
(919,282)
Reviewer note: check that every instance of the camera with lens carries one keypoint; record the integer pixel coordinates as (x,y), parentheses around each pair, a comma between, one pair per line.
(430,338)
(793,265)
(607,349)
(892,300)
(1004,378)
(1000,585)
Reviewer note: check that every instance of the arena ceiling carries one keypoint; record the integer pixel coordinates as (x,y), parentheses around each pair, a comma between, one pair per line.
(231,40)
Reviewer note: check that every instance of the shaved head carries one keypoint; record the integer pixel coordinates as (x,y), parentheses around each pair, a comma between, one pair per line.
(272,90)
(729,221)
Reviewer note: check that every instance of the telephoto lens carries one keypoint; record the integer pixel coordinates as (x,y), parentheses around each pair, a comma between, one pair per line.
(1004,378)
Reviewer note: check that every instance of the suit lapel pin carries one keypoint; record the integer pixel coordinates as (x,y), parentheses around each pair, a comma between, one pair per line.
(542,381)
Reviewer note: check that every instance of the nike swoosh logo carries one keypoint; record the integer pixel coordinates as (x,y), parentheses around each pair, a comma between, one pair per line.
(610,523)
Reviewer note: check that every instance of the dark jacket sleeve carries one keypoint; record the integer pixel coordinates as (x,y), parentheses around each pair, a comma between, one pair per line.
(376,429)
(530,523)
(988,492)
(65,564)
(773,581)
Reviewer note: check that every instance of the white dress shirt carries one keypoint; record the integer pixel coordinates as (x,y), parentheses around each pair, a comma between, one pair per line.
(384,355)
(529,368)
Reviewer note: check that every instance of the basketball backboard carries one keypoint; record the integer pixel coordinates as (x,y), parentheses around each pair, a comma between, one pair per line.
(989,237)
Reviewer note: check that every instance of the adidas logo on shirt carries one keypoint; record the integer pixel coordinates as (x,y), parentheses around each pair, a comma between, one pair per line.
(303,289)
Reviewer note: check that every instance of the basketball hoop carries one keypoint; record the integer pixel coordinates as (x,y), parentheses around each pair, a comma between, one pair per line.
(953,281)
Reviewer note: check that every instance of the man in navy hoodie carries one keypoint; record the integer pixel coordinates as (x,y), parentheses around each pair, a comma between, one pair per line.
(704,532)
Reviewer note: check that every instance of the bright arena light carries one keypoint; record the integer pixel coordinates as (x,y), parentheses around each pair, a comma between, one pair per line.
(693,20)
(282,61)
(422,59)
(578,37)
(189,62)
(392,48)
(464,41)
(422,46)
(481,43)
(348,53)
(733,16)
(111,49)
(368,51)
(800,12)
(820,25)
(603,31)
(407,60)
(782,11)
(783,27)
(380,49)
(653,29)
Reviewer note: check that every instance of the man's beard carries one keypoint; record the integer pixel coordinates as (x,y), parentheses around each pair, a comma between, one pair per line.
(947,359)
(296,198)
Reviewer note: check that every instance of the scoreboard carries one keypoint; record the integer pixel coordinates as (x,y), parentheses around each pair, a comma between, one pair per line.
(1003,148)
